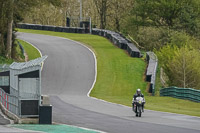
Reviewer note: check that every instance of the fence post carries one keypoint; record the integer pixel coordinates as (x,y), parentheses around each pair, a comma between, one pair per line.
(4,99)
(7,103)
(0,97)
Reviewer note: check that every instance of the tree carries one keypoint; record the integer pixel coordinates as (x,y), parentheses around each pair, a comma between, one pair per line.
(119,11)
(173,14)
(189,19)
(11,11)
(185,68)
(151,38)
(3,25)
(102,7)
(9,30)
(181,65)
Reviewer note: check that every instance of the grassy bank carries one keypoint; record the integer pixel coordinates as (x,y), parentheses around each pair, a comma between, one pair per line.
(31,51)
(120,75)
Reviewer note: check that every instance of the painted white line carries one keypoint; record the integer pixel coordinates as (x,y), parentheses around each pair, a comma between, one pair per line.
(32,45)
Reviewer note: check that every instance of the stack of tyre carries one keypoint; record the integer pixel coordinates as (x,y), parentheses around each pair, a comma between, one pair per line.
(119,40)
(116,38)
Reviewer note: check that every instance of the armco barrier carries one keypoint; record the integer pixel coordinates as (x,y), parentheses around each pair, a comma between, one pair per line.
(182,93)
(151,70)
(116,38)
(21,47)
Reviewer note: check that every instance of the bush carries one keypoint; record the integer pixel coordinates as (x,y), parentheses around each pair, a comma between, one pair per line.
(152,38)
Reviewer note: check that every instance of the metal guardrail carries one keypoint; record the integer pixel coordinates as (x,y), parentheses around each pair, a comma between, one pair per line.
(151,70)
(182,93)
(21,47)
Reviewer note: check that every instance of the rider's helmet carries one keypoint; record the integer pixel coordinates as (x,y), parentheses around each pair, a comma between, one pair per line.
(138,91)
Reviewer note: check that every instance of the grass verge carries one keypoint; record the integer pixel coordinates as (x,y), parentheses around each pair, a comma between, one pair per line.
(120,75)
(31,51)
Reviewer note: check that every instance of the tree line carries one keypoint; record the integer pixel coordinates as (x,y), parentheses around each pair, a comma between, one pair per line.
(12,12)
(170,28)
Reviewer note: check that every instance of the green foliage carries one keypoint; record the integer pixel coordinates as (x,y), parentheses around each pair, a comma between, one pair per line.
(17,53)
(158,84)
(12,11)
(4,60)
(181,39)
(152,38)
(181,65)
(173,14)
(184,68)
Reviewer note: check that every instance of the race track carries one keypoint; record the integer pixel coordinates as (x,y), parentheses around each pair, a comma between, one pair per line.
(68,75)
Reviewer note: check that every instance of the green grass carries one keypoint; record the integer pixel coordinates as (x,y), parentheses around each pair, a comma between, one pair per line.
(168,104)
(120,75)
(31,51)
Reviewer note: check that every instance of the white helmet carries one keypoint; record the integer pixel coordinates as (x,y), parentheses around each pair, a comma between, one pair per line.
(138,91)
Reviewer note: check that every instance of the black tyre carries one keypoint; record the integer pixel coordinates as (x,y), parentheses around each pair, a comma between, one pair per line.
(136,114)
(140,114)
(140,111)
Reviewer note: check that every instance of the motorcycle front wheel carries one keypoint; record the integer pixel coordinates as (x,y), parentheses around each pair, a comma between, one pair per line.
(140,111)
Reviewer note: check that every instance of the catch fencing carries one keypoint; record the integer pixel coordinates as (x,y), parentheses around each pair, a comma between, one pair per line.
(20,88)
(182,93)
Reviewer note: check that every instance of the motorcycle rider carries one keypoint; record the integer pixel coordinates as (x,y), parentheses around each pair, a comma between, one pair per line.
(138,94)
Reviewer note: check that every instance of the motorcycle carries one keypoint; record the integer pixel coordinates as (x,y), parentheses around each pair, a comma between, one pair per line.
(137,106)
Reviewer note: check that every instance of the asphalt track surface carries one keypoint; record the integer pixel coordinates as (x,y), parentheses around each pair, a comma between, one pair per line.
(68,75)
